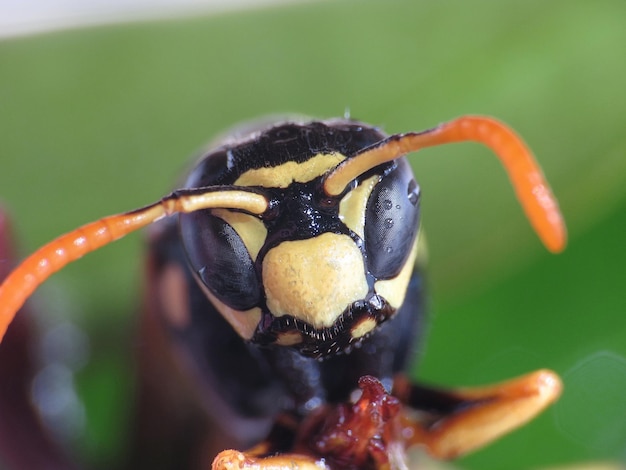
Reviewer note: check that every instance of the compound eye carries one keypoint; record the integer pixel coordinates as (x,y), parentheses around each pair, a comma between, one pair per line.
(220,259)
(392,221)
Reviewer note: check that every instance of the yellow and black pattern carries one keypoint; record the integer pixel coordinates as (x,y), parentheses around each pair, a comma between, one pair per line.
(314,272)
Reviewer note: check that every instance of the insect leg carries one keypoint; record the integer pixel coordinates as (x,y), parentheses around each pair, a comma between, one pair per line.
(455,422)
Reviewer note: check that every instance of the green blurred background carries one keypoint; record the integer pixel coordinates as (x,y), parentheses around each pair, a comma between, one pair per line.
(102,120)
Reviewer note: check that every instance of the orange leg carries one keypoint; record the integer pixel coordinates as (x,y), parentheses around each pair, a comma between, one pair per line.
(235,460)
(457,422)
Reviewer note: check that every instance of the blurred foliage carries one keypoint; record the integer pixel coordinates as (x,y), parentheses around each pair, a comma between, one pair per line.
(102,120)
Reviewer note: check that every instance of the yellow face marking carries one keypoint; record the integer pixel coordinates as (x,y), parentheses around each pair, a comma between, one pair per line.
(352,206)
(283,175)
(363,328)
(394,290)
(244,322)
(314,280)
(250,229)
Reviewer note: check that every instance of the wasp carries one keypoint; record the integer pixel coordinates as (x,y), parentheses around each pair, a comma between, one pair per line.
(283,276)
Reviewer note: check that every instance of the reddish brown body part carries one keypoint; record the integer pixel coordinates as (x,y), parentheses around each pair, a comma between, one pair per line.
(362,435)
(376,431)
(358,435)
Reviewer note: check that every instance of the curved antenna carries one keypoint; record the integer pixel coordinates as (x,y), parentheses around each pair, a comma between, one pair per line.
(531,188)
(53,256)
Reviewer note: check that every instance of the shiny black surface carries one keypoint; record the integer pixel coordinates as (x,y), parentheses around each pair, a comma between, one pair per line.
(301,211)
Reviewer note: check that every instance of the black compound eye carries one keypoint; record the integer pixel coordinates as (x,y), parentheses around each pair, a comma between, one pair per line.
(391,222)
(221,260)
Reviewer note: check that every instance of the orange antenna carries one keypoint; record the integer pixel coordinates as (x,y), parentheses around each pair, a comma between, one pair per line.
(50,258)
(528,181)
